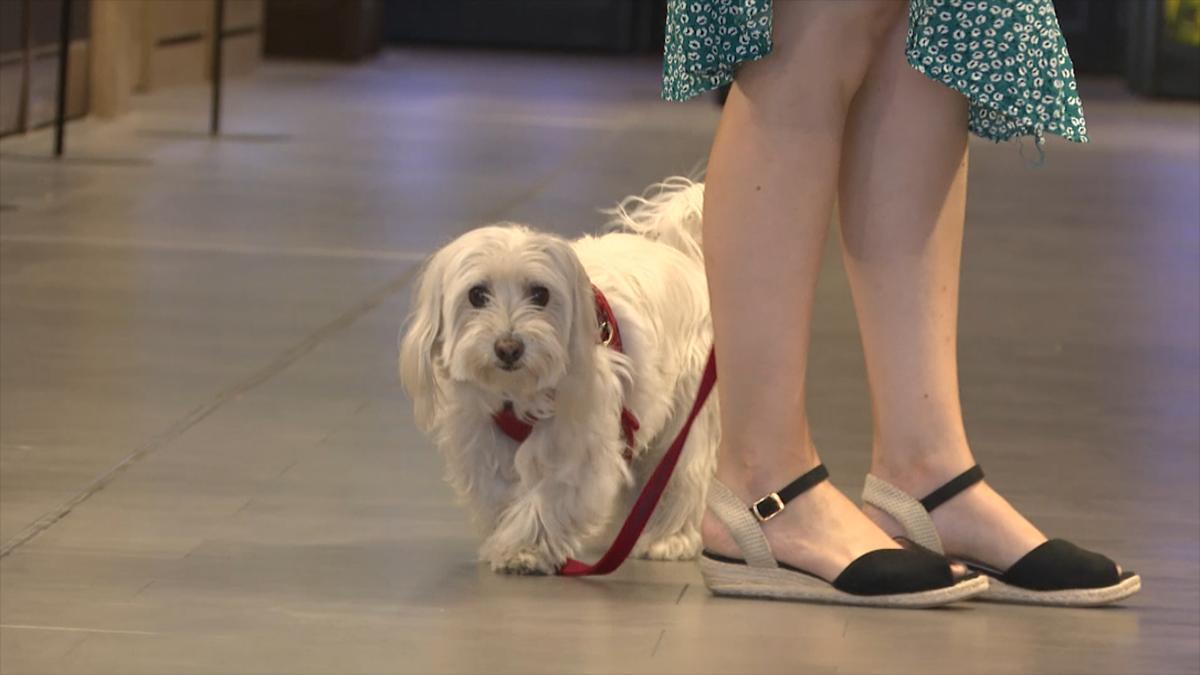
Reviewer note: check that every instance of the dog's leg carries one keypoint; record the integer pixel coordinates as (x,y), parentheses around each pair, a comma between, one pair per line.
(673,532)
(561,504)
(486,490)
(479,466)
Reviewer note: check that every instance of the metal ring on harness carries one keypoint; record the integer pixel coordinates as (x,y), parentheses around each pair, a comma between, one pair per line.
(606,333)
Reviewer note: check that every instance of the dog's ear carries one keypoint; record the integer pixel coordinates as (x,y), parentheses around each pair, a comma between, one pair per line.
(421,343)
(583,333)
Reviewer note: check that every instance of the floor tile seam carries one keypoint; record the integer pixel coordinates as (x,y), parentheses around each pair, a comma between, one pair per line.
(570,163)
(277,365)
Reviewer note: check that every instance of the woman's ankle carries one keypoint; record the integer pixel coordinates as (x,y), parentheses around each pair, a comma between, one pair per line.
(750,476)
(920,467)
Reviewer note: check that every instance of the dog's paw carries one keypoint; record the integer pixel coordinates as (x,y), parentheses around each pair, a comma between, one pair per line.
(525,560)
(678,546)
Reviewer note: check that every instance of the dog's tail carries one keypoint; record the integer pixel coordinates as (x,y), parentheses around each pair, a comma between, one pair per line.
(670,212)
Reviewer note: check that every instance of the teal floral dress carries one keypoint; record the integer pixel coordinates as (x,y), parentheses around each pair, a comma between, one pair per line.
(1008,57)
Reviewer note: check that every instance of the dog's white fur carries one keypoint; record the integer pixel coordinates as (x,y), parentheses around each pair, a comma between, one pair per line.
(540,501)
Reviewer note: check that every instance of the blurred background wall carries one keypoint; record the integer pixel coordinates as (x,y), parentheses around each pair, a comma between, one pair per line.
(120,47)
(117,48)
(29,39)
(604,25)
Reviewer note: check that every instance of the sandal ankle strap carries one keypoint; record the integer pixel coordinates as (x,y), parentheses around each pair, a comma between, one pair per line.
(951,489)
(745,523)
(913,514)
(771,505)
(742,526)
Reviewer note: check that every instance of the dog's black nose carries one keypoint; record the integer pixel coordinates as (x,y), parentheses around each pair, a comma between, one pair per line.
(509,349)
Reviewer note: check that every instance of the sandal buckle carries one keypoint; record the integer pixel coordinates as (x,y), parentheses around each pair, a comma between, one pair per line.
(767,508)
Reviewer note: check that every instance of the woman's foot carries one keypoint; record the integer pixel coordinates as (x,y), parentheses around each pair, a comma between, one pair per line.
(820,531)
(977,525)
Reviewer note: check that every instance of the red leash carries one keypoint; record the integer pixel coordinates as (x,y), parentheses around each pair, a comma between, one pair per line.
(644,506)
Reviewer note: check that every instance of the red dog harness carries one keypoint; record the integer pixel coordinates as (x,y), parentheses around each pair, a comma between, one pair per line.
(636,521)
(610,335)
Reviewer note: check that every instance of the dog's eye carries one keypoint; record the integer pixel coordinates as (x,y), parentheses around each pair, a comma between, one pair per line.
(540,295)
(478,295)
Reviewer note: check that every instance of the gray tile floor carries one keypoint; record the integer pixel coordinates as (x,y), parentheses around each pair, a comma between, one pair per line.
(206,464)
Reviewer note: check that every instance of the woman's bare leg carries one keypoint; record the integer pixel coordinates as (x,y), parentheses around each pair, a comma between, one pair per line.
(902,202)
(771,183)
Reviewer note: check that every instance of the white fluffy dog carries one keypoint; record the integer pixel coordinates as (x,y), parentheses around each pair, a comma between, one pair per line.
(505,317)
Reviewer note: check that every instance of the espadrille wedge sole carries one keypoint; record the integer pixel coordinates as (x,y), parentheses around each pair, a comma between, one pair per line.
(1056,573)
(998,591)
(882,578)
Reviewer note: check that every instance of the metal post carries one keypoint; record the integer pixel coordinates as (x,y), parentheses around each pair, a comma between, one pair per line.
(214,124)
(64,49)
(26,67)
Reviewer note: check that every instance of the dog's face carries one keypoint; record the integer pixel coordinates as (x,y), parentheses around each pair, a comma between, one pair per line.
(502,308)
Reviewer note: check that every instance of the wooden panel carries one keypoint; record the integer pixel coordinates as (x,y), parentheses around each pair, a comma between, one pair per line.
(243,14)
(179,49)
(178,19)
(182,63)
(242,53)
(10,96)
(174,49)
(43,79)
(77,79)
(118,35)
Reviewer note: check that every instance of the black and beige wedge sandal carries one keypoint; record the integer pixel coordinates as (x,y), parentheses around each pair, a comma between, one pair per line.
(1056,572)
(885,577)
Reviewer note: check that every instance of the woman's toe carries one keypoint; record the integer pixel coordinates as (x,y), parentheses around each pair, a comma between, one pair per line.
(959,570)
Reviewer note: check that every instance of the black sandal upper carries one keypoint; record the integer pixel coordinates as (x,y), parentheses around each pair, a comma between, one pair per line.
(1055,565)
(895,570)
(1058,564)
